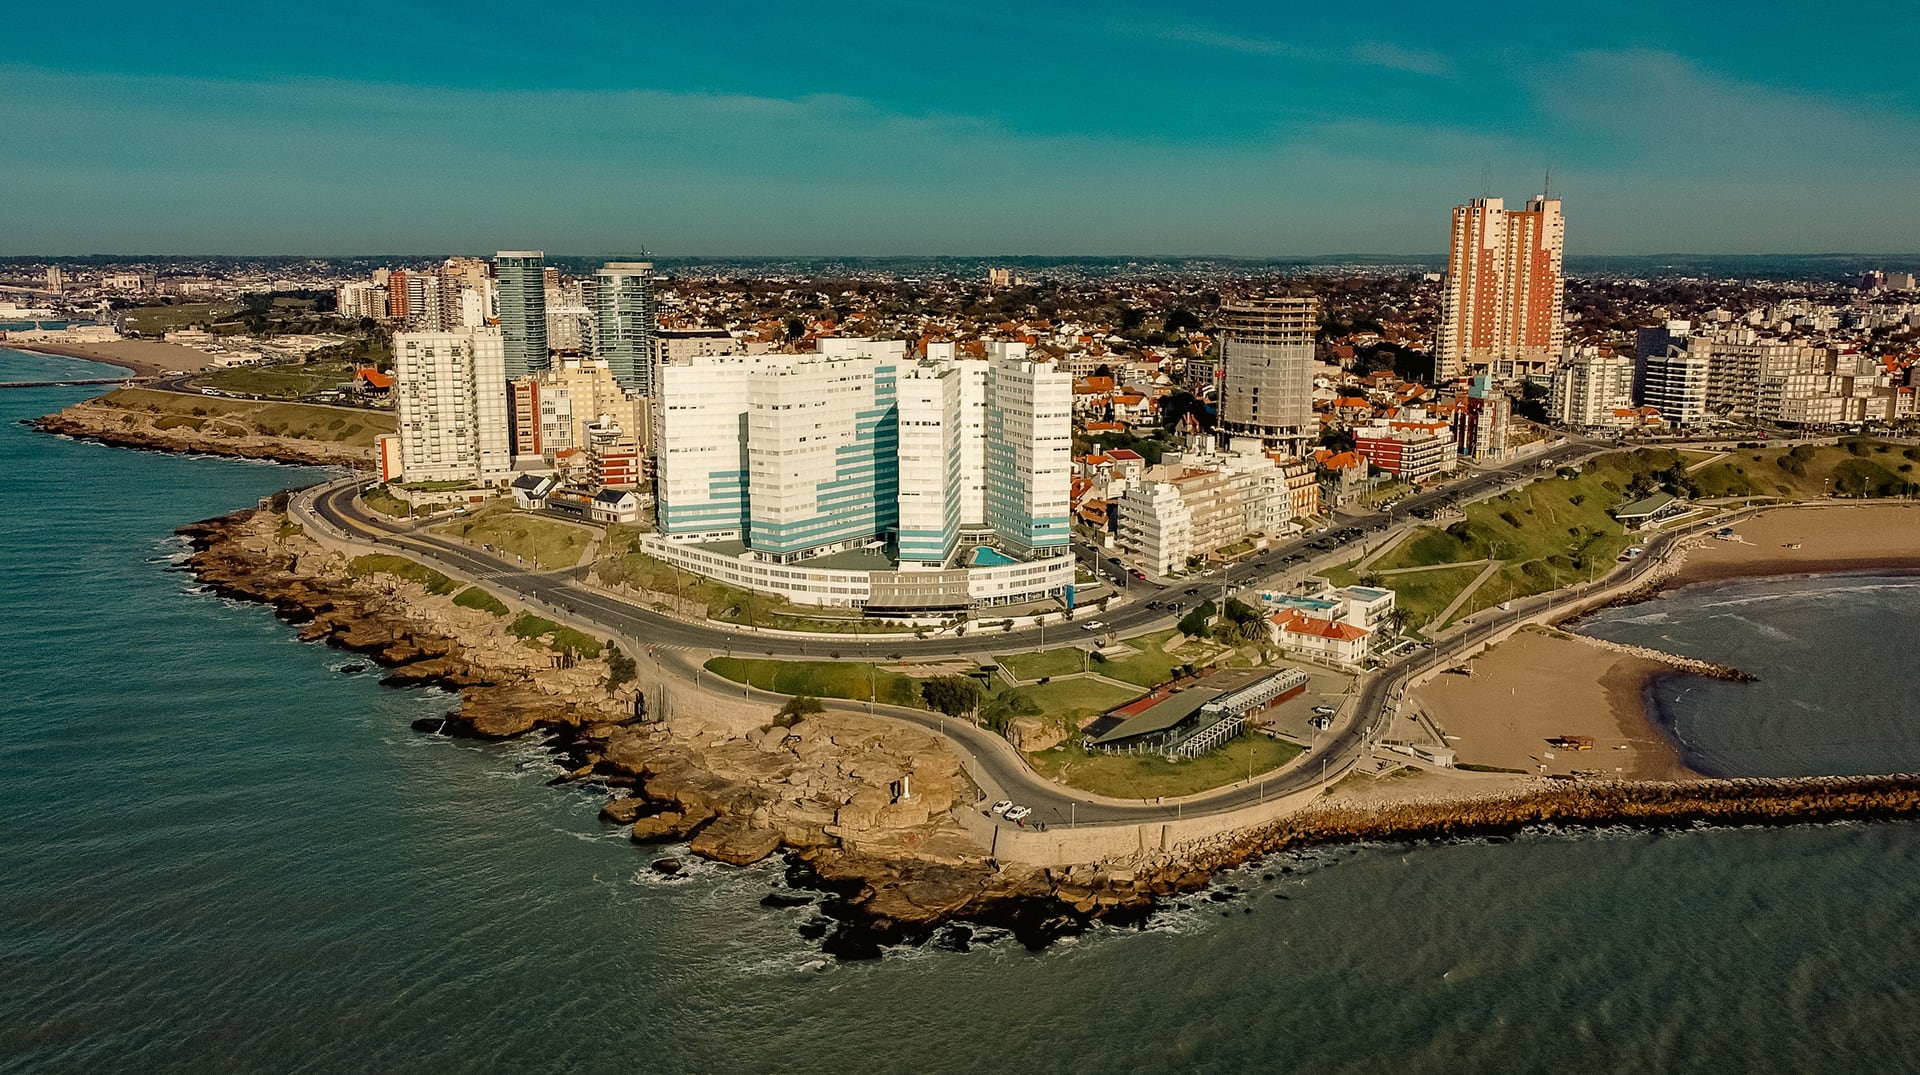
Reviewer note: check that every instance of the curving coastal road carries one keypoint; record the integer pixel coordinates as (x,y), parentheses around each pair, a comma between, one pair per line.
(994,763)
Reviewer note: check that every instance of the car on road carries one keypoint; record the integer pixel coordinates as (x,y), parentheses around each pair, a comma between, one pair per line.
(1018,813)
(1138,574)
(1003,806)
(1094,625)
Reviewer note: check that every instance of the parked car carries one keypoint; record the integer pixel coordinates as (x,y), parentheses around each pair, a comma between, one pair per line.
(1018,813)
(1003,806)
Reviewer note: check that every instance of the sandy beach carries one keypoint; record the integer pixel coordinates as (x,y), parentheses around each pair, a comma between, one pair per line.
(1537,685)
(1824,537)
(146,358)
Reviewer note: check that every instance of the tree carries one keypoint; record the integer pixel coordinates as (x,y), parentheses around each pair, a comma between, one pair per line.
(620,667)
(1180,319)
(1000,709)
(955,696)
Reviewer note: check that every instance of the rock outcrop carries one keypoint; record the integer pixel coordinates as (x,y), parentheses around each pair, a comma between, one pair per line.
(122,427)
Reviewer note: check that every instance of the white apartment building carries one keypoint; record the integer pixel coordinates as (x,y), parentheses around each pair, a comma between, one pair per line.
(700,449)
(1029,450)
(931,472)
(450,391)
(1591,389)
(1186,508)
(859,449)
(801,454)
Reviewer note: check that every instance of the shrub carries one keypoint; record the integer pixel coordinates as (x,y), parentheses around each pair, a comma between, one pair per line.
(401,567)
(531,628)
(1194,624)
(476,598)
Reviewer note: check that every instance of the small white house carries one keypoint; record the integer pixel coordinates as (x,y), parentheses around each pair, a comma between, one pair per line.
(530,491)
(615,506)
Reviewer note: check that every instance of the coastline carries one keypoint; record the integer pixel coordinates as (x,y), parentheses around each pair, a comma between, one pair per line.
(142,358)
(1823,538)
(737,787)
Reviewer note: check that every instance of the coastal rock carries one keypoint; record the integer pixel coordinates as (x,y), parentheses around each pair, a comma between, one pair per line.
(624,811)
(735,842)
(1031,734)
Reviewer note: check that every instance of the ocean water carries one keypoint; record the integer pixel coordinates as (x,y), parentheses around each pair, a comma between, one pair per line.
(1836,664)
(219,853)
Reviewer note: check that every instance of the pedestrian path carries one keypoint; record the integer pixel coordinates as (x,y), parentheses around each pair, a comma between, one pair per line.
(1485,574)
(1432,567)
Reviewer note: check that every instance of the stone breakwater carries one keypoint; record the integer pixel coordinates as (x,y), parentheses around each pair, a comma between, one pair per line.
(123,428)
(1579,804)
(737,785)
(1694,665)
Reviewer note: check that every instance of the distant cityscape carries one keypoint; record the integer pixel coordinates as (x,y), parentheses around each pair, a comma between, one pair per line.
(924,442)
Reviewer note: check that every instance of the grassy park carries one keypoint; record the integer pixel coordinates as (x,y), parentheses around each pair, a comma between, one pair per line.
(539,541)
(286,381)
(821,679)
(1149,667)
(1067,702)
(234,417)
(157,320)
(1149,776)
(1556,531)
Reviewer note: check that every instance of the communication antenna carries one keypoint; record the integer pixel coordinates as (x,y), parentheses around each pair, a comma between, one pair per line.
(1547,192)
(1486,179)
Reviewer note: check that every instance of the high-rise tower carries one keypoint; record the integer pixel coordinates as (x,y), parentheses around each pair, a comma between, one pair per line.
(523,310)
(1502,303)
(622,302)
(1266,370)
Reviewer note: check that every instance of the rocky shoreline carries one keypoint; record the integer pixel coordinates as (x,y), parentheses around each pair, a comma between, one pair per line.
(122,428)
(888,876)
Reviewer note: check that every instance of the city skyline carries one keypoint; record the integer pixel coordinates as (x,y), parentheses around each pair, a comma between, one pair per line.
(965,131)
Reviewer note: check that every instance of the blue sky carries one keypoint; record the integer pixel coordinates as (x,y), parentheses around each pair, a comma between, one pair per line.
(934,127)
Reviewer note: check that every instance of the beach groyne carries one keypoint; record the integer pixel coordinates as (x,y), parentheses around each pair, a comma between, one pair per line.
(1693,665)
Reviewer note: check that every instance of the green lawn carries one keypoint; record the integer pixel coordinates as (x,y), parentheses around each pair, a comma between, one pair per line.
(1858,467)
(382,500)
(1147,776)
(1152,666)
(237,417)
(1424,594)
(821,679)
(1342,575)
(542,542)
(1067,702)
(278,382)
(1053,662)
(1556,531)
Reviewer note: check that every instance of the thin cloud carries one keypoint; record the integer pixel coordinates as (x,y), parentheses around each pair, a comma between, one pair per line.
(1401,58)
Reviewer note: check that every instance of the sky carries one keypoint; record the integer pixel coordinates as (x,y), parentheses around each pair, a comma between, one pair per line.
(926,127)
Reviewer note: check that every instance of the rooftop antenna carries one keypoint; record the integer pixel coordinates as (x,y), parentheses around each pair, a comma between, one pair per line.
(1486,179)
(1548,191)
